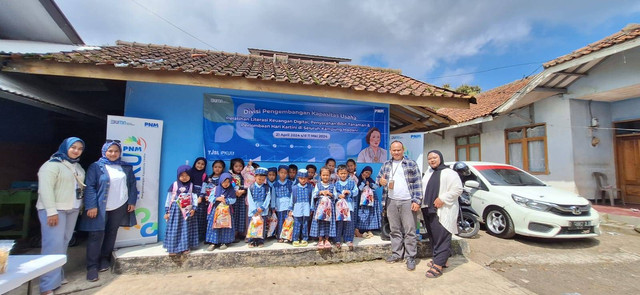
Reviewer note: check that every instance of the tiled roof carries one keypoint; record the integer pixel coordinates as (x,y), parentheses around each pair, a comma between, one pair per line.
(487,102)
(167,58)
(630,32)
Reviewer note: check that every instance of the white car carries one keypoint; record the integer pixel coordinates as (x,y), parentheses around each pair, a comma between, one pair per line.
(511,201)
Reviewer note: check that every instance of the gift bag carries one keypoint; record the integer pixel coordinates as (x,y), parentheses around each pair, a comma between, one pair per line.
(222,217)
(366,198)
(209,198)
(342,211)
(287,229)
(184,203)
(323,211)
(256,228)
(272,223)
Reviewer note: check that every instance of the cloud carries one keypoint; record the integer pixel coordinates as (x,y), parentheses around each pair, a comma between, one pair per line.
(414,36)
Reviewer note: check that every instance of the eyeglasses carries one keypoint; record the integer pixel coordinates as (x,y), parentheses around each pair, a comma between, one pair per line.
(113,140)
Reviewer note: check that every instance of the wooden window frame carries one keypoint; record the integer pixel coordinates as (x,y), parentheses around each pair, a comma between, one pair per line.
(468,146)
(525,147)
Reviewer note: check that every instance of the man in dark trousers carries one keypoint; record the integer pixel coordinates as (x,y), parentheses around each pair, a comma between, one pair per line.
(402,187)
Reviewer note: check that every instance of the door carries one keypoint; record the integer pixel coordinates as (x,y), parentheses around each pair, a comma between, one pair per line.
(628,162)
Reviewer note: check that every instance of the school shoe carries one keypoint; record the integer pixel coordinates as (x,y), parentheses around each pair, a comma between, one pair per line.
(223,247)
(411,263)
(211,247)
(393,259)
(92,275)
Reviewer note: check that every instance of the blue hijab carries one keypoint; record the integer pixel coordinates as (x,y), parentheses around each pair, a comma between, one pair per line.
(186,185)
(230,191)
(104,158)
(63,150)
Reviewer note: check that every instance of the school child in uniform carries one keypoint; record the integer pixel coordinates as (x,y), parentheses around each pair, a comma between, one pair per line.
(323,229)
(351,168)
(208,186)
(259,198)
(293,172)
(281,198)
(198,175)
(368,215)
(223,193)
(249,173)
(331,164)
(313,178)
(239,209)
(272,175)
(180,207)
(345,188)
(300,209)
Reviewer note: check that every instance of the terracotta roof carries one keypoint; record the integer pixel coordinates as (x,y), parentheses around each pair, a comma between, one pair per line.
(487,102)
(630,32)
(281,69)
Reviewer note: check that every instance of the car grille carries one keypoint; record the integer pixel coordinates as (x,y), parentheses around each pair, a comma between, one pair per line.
(566,231)
(571,210)
(539,227)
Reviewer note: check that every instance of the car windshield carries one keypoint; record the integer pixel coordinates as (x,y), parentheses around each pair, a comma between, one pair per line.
(507,175)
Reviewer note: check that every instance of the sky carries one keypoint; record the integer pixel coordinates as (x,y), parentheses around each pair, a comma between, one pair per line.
(487,43)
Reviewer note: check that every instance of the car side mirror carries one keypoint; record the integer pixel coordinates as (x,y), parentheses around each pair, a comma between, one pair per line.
(472,184)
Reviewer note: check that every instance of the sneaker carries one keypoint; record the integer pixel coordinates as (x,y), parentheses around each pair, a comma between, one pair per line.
(393,259)
(223,247)
(211,247)
(411,263)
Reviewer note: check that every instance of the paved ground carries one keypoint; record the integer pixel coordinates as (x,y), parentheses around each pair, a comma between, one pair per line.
(604,265)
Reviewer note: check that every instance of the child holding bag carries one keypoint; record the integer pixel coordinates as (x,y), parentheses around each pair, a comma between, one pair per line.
(180,207)
(259,198)
(369,213)
(281,198)
(300,209)
(223,195)
(320,227)
(346,190)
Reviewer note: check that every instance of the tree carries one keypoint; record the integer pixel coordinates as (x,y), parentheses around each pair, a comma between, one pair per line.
(464,88)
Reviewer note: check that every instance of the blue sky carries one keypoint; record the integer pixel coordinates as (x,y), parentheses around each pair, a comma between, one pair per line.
(431,40)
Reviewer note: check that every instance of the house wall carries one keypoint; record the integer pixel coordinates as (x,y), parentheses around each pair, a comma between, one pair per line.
(589,158)
(628,109)
(181,109)
(554,112)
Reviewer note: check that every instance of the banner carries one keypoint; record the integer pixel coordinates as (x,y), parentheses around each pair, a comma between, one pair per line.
(141,146)
(290,131)
(413,146)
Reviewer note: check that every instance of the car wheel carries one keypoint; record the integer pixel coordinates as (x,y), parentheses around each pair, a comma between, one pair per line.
(499,223)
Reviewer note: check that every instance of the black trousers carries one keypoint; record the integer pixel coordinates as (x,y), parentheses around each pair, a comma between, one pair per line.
(439,237)
(100,243)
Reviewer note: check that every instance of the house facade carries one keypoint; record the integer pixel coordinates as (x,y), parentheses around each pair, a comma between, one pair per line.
(580,115)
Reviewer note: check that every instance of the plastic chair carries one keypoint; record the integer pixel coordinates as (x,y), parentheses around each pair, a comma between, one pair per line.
(603,187)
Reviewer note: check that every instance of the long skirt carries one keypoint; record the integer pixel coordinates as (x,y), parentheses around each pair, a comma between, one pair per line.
(239,216)
(181,234)
(369,217)
(321,228)
(218,235)
(201,217)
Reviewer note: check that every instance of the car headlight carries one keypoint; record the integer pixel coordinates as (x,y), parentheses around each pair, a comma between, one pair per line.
(531,204)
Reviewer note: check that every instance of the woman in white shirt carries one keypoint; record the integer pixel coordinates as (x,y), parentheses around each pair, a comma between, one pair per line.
(442,187)
(60,184)
(109,202)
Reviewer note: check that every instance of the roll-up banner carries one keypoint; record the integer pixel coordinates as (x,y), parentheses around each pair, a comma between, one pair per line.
(141,146)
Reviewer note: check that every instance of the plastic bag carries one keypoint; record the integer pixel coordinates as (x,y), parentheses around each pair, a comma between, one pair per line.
(222,217)
(184,203)
(287,229)
(256,228)
(272,223)
(5,248)
(324,209)
(342,211)
(366,198)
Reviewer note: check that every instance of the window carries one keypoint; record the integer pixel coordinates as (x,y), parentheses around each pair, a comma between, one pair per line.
(526,148)
(468,148)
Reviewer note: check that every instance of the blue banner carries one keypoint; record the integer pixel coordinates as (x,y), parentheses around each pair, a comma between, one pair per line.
(292,131)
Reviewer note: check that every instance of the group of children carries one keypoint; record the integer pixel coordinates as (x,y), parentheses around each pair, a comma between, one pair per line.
(228,207)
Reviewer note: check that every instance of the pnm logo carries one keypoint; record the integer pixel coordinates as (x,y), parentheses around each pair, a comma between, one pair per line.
(151,124)
(134,144)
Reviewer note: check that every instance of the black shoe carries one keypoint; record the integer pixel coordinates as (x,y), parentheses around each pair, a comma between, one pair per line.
(92,275)
(393,259)
(411,263)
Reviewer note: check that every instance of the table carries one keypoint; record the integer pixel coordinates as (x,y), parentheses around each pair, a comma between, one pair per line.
(24,268)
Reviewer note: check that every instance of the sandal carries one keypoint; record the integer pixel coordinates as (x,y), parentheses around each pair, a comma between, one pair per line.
(296,244)
(251,245)
(185,252)
(338,245)
(280,241)
(304,243)
(327,245)
(433,272)
(430,264)
(350,244)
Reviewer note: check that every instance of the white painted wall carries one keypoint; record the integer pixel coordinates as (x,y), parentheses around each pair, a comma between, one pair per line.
(628,109)
(587,158)
(616,71)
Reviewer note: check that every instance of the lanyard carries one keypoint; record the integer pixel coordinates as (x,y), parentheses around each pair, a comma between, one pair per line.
(396,169)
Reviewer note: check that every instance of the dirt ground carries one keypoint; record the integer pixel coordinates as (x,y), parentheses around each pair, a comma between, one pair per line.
(604,265)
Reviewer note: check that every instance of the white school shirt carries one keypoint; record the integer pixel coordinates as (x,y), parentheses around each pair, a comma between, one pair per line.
(400,189)
(118,192)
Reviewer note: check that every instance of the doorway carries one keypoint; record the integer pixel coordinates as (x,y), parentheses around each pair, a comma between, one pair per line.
(628,159)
